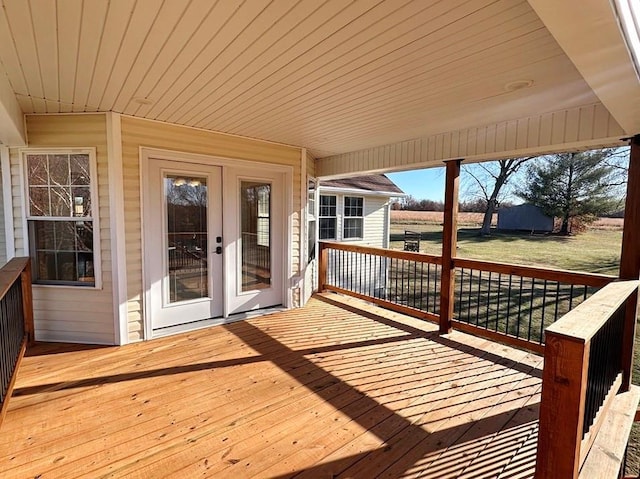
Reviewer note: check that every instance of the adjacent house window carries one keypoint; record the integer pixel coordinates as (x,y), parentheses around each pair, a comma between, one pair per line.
(327,217)
(61,211)
(311,220)
(353,217)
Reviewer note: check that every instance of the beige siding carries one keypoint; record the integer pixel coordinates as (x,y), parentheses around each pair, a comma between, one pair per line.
(68,313)
(585,127)
(138,133)
(3,240)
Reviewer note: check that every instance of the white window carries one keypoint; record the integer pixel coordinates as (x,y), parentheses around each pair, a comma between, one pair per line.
(264,220)
(327,217)
(353,217)
(62,217)
(311,219)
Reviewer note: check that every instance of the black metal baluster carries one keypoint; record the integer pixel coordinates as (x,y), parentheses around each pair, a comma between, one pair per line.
(508,315)
(533,282)
(519,307)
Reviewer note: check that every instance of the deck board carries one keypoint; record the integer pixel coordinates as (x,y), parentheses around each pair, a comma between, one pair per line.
(335,389)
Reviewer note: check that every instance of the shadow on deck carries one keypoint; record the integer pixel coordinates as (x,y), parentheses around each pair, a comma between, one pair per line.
(335,389)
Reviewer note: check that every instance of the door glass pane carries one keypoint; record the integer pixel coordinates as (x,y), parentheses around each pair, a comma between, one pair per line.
(186,202)
(255,201)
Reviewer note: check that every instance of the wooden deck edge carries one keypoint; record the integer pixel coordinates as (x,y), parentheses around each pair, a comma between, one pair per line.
(5,404)
(607,453)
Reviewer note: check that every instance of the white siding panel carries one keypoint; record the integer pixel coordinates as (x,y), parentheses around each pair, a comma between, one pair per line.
(585,127)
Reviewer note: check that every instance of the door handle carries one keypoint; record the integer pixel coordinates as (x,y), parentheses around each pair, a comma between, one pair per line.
(218,249)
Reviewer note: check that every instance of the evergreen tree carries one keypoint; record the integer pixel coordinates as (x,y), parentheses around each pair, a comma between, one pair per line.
(574,185)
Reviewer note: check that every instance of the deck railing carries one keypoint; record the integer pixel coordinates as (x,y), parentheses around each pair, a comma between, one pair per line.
(517,302)
(504,302)
(399,280)
(16,323)
(583,371)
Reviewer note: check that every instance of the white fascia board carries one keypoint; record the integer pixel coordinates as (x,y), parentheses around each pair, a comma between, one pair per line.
(591,35)
(12,130)
(357,191)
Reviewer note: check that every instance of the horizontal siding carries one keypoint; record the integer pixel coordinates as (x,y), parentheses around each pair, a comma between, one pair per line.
(375,227)
(3,239)
(585,127)
(138,133)
(63,313)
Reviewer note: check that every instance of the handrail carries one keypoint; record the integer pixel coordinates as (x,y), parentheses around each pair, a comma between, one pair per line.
(389,253)
(583,368)
(563,276)
(16,323)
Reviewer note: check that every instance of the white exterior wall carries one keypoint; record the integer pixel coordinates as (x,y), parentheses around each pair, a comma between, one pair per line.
(375,223)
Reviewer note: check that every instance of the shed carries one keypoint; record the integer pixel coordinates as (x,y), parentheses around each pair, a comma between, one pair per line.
(524,217)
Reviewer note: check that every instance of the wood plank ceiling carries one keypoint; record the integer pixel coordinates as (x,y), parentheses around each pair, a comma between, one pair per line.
(333,75)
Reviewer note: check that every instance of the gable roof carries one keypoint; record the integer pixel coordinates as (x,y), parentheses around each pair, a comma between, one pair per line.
(373,183)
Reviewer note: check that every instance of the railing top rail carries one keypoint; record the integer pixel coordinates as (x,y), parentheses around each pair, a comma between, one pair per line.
(389,253)
(583,322)
(563,276)
(10,272)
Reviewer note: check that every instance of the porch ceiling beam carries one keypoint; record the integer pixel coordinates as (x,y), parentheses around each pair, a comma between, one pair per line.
(589,33)
(12,132)
(581,128)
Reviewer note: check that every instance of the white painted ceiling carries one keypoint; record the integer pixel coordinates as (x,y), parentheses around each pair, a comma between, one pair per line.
(333,76)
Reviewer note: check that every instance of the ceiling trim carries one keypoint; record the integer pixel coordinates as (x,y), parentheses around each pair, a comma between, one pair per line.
(589,33)
(581,128)
(12,130)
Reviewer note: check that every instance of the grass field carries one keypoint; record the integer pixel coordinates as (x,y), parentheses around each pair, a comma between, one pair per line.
(597,250)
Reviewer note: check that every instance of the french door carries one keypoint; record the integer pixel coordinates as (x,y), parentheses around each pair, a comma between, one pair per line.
(213,242)
(183,243)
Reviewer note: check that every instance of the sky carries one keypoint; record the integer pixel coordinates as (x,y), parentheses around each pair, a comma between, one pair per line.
(421,184)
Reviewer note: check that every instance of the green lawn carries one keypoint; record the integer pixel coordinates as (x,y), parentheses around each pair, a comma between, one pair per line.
(596,251)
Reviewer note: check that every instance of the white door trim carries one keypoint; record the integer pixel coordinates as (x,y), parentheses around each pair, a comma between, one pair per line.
(145,153)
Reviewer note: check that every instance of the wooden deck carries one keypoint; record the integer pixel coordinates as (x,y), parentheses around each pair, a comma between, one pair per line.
(324,391)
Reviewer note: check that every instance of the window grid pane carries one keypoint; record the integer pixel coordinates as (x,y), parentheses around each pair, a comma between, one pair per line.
(59,185)
(353,228)
(327,228)
(353,206)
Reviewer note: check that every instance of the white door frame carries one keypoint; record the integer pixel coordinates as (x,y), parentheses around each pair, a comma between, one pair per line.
(226,164)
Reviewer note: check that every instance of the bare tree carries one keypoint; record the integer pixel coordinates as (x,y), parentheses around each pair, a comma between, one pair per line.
(490,184)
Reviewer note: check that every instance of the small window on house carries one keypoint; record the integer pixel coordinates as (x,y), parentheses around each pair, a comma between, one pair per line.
(311,220)
(353,217)
(61,213)
(327,217)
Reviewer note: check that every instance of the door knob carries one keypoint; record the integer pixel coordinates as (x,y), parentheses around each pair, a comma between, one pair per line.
(218,249)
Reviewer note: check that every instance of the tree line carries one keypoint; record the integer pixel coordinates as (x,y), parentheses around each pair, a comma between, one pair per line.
(574,187)
(410,203)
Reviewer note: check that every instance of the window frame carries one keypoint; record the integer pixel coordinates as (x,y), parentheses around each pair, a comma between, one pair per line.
(345,217)
(312,218)
(94,218)
(321,217)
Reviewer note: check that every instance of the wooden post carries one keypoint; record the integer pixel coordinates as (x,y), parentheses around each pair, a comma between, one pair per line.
(564,381)
(630,257)
(449,242)
(323,255)
(27,303)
